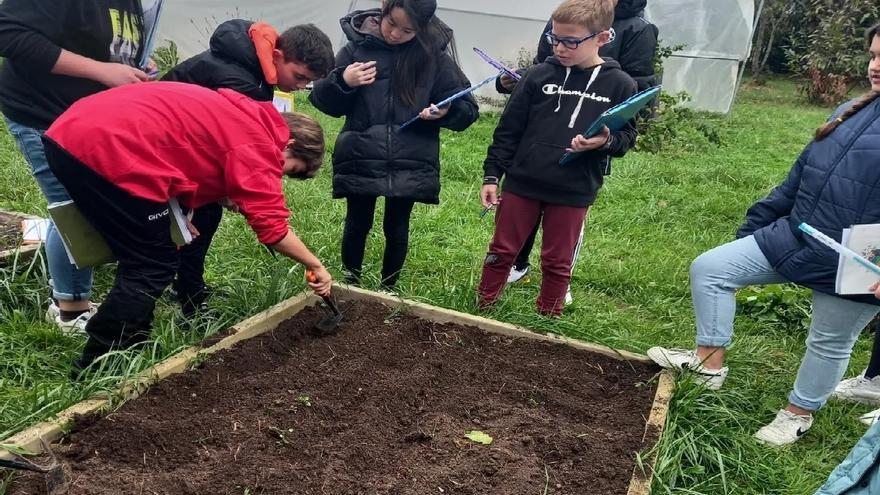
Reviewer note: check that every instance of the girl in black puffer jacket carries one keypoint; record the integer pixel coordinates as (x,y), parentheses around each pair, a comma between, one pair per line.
(393,67)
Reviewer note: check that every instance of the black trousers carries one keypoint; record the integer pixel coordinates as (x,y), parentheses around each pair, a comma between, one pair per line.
(358,223)
(138,231)
(190,281)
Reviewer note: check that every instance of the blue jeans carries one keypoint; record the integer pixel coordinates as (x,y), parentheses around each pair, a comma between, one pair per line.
(835,326)
(68,282)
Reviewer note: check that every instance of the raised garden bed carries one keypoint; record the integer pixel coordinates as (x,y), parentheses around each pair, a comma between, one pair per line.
(10,238)
(382,407)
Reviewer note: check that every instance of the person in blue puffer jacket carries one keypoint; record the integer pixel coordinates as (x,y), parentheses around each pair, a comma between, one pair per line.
(835,183)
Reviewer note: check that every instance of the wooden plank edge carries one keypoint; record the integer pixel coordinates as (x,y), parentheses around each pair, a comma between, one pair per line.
(25,251)
(53,430)
(443,315)
(642,479)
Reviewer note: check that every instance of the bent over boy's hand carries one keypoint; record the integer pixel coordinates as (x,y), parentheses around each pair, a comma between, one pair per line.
(580,143)
(320,281)
(489,195)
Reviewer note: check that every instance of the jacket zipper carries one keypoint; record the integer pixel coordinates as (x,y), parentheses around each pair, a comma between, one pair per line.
(388,135)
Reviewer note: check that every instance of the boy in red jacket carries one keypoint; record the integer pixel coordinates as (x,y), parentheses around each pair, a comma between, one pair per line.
(175,141)
(550,106)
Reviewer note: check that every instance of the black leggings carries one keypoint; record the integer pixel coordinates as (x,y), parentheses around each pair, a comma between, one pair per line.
(359,222)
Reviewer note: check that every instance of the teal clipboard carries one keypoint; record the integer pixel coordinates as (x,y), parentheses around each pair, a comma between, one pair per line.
(617,116)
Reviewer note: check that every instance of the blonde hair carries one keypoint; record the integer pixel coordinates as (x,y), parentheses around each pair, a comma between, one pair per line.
(595,15)
(308,144)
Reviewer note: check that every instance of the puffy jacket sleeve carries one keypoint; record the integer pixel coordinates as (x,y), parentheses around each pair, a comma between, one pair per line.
(27,28)
(637,55)
(200,70)
(448,81)
(509,131)
(777,204)
(253,182)
(332,95)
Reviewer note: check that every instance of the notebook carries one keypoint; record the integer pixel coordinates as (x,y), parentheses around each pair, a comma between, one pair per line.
(617,117)
(86,247)
(853,278)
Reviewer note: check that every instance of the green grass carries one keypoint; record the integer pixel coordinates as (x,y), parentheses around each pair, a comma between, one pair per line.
(654,216)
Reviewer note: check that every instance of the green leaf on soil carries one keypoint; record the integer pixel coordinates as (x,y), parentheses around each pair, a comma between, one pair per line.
(479,437)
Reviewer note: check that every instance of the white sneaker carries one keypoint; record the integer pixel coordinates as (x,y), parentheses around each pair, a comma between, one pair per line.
(517,275)
(686,360)
(859,389)
(568,298)
(53,311)
(76,325)
(785,429)
(871,417)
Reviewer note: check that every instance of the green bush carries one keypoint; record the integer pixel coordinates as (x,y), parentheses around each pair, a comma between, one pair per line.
(781,306)
(828,46)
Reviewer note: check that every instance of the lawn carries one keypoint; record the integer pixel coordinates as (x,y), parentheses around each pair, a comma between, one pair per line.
(656,213)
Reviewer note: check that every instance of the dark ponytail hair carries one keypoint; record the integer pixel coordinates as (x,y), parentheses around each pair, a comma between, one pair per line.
(829,127)
(415,57)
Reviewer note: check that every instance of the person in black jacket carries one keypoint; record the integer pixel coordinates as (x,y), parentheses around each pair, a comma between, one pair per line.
(393,68)
(633,47)
(550,105)
(251,58)
(56,53)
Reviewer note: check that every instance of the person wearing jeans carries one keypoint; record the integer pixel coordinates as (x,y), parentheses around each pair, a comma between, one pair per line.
(831,187)
(68,282)
(56,53)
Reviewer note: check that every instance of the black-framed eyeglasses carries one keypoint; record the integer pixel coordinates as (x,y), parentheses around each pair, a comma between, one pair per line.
(570,43)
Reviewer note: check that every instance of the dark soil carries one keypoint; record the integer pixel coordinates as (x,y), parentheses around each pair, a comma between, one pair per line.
(10,231)
(380,408)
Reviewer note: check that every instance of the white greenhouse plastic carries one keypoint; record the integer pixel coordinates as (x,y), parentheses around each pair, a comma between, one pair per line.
(717,33)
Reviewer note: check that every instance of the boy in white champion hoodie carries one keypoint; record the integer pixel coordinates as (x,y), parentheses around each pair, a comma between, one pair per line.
(553,103)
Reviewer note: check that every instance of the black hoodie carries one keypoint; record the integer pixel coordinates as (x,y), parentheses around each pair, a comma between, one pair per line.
(371,156)
(32,35)
(231,62)
(550,106)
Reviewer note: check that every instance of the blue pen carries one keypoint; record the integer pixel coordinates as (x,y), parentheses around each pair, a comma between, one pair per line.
(840,248)
(453,98)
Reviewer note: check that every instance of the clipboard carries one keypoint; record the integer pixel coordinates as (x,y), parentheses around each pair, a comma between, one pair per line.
(497,64)
(616,117)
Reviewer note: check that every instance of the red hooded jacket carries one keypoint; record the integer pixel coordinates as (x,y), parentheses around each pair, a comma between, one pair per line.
(163,140)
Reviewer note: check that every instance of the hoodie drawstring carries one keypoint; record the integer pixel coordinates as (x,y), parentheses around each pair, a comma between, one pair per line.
(577,109)
(559,100)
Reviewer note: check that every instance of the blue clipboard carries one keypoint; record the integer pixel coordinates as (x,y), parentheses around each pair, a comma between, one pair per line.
(617,116)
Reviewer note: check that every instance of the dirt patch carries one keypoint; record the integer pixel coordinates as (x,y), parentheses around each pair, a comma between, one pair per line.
(10,231)
(380,408)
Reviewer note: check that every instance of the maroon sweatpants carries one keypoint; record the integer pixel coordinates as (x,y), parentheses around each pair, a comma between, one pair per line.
(514,221)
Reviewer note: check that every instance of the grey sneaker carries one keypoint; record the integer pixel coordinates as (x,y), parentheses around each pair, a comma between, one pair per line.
(785,429)
(568,298)
(687,360)
(517,274)
(859,389)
